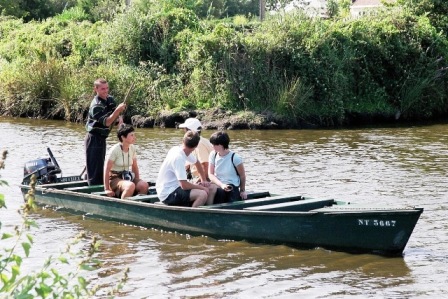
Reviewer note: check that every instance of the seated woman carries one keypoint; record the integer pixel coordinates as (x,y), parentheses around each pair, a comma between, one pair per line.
(226,170)
(118,180)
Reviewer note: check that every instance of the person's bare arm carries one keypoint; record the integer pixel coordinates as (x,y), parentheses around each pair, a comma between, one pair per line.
(135,169)
(107,168)
(113,117)
(242,174)
(201,171)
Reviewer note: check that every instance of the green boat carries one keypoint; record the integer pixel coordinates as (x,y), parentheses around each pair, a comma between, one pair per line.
(292,220)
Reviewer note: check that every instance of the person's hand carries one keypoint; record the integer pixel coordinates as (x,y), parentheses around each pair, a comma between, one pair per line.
(110,193)
(227,188)
(243,195)
(205,184)
(120,120)
(121,107)
(205,189)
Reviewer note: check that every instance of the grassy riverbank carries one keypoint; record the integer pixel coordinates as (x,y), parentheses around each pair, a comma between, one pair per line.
(289,71)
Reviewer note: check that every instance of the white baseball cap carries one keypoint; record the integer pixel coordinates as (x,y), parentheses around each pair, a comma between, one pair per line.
(191,123)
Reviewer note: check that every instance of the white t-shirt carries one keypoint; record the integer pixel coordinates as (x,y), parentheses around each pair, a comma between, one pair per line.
(224,168)
(122,161)
(172,171)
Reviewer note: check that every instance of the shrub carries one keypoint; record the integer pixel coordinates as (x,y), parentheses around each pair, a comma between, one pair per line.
(47,281)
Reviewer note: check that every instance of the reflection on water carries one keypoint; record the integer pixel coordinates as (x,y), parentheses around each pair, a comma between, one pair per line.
(385,165)
(204,267)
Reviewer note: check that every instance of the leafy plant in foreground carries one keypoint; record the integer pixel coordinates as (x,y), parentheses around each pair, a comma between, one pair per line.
(47,281)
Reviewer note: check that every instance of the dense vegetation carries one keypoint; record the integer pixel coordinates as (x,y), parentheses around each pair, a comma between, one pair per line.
(48,281)
(187,55)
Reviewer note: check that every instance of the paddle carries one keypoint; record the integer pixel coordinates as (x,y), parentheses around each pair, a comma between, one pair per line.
(131,87)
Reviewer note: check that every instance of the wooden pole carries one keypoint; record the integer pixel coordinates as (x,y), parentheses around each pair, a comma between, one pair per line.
(262,8)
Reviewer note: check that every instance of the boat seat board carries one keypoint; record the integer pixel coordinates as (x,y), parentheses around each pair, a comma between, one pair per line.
(144,198)
(87,189)
(302,205)
(98,189)
(152,198)
(255,195)
(239,205)
(65,185)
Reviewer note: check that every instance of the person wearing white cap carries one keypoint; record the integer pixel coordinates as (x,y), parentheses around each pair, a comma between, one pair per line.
(203,150)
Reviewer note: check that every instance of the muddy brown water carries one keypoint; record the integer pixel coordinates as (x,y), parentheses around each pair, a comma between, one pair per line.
(384,165)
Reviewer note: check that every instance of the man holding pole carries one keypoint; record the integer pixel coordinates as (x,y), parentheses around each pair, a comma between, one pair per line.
(103,113)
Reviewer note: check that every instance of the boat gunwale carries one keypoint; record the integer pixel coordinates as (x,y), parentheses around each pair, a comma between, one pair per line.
(341,210)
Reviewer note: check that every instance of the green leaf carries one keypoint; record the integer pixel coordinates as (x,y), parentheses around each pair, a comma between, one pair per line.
(4,278)
(63,259)
(26,246)
(2,201)
(87,267)
(82,281)
(44,275)
(3,183)
(31,223)
(44,290)
(17,259)
(15,270)
(30,238)
(6,236)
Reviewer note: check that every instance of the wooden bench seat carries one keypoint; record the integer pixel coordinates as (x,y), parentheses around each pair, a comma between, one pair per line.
(87,189)
(301,205)
(239,205)
(144,198)
(255,195)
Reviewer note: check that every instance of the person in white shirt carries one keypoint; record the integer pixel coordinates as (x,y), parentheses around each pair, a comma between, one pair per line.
(226,170)
(118,180)
(172,185)
(201,152)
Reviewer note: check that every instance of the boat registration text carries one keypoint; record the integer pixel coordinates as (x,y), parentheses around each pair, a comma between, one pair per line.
(375,222)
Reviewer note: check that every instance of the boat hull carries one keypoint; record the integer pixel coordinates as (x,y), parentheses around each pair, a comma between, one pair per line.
(349,228)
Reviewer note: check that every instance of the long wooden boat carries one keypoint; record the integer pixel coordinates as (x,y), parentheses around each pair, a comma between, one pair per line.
(292,220)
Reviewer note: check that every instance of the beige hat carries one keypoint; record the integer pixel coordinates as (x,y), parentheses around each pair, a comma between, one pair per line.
(192,124)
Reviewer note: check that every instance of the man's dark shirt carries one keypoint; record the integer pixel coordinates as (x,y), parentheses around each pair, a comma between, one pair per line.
(99,111)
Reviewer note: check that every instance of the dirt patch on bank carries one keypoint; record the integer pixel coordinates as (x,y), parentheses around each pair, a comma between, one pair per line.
(217,119)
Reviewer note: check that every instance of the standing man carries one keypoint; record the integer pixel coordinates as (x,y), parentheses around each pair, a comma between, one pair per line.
(202,151)
(103,112)
(172,185)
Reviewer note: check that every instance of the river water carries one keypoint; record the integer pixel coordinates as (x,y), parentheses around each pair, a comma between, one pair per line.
(407,165)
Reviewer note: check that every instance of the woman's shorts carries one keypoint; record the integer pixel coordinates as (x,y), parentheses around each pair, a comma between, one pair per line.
(117,184)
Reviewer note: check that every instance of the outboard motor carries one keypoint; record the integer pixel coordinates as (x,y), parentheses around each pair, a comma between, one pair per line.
(45,170)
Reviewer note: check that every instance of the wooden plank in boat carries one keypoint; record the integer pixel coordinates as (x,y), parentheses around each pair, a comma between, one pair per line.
(239,205)
(302,205)
(144,198)
(87,189)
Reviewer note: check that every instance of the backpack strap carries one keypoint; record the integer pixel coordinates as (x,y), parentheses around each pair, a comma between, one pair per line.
(236,170)
(233,154)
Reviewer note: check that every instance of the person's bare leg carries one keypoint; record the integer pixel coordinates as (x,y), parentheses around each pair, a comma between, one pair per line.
(142,187)
(128,189)
(198,197)
(211,194)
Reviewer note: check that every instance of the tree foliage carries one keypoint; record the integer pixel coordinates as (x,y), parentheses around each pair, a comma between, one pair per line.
(48,281)
(320,71)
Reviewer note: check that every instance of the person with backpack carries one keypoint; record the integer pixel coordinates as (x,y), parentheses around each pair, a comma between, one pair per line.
(226,170)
